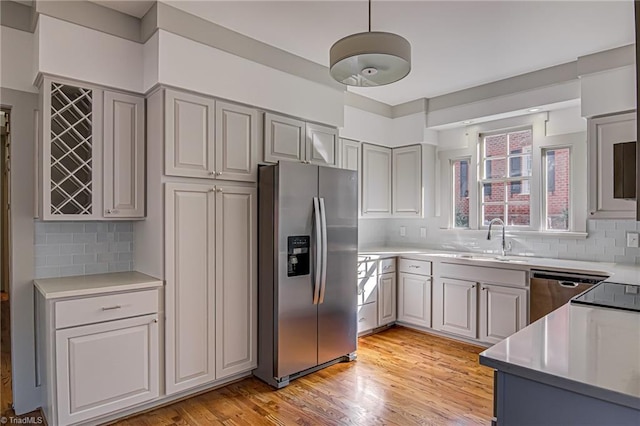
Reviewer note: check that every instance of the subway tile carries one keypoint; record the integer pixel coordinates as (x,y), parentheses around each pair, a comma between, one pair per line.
(40,261)
(124,227)
(71,248)
(83,259)
(111,227)
(120,246)
(105,227)
(68,271)
(59,260)
(70,228)
(96,248)
(107,257)
(119,266)
(40,238)
(59,238)
(46,250)
(47,272)
(51,228)
(106,237)
(96,268)
(606,224)
(626,225)
(624,259)
(84,238)
(91,227)
(125,236)
(40,227)
(125,257)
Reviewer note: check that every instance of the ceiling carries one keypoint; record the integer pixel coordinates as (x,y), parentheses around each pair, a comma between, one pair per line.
(455,44)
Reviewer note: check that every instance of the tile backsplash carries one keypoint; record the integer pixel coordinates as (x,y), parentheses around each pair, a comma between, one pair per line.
(82,248)
(606,240)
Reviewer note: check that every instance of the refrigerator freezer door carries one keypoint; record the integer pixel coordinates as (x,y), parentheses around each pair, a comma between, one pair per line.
(337,314)
(296,314)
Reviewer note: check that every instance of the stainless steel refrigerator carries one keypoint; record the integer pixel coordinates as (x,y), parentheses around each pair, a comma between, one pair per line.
(308,244)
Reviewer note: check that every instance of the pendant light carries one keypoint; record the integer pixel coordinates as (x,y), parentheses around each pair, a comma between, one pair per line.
(370,59)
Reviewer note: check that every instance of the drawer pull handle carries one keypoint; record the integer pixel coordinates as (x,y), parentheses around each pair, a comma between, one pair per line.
(386,267)
(361,319)
(111,308)
(414,266)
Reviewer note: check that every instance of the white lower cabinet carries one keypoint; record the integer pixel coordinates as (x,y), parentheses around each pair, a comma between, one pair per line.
(98,354)
(503,311)
(367,317)
(414,299)
(102,368)
(211,288)
(386,298)
(457,313)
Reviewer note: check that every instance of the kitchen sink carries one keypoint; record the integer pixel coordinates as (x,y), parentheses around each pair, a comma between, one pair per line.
(490,258)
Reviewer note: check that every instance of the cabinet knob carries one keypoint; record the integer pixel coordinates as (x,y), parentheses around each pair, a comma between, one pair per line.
(361,319)
(219,173)
(212,173)
(155,321)
(219,190)
(212,190)
(107,211)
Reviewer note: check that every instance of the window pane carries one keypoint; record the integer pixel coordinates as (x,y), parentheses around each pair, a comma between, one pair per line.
(520,165)
(520,141)
(491,211)
(518,191)
(557,165)
(461,193)
(493,192)
(495,168)
(495,145)
(519,215)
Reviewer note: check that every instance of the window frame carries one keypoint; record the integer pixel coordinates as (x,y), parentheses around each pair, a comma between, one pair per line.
(507,180)
(544,215)
(452,219)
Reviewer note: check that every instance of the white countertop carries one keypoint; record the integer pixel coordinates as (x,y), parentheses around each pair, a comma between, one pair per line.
(622,273)
(589,350)
(86,285)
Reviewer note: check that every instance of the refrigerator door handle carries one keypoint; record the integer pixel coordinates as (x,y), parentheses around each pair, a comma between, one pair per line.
(318,262)
(323,279)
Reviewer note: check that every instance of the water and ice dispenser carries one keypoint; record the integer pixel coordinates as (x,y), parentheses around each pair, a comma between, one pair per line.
(298,248)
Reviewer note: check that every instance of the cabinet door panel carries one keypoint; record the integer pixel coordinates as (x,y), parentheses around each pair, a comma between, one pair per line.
(407,181)
(376,181)
(123,155)
(386,298)
(105,367)
(322,145)
(284,139)
(367,317)
(503,311)
(459,307)
(414,299)
(367,282)
(236,139)
(189,144)
(236,285)
(190,293)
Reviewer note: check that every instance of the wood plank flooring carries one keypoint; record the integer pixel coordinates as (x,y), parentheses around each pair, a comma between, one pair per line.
(401,377)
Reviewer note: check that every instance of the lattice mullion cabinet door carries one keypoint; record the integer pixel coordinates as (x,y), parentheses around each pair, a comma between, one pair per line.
(124,156)
(71,151)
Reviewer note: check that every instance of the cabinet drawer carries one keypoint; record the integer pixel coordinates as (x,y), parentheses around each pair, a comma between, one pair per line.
(105,308)
(367,317)
(510,277)
(418,267)
(387,265)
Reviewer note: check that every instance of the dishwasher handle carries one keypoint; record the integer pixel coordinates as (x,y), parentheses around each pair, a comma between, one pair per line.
(568,284)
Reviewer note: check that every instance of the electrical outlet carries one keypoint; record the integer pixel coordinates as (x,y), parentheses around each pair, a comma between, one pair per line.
(632,239)
(423,232)
(403,231)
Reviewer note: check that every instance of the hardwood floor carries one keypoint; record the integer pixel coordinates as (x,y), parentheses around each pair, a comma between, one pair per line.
(402,377)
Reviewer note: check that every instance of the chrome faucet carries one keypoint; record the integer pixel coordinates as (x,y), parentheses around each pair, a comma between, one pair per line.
(504,242)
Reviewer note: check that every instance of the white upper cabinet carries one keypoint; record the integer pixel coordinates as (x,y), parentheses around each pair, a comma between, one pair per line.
(284,139)
(503,311)
(350,154)
(376,181)
(236,142)
(607,136)
(91,155)
(407,181)
(322,145)
(123,155)
(189,132)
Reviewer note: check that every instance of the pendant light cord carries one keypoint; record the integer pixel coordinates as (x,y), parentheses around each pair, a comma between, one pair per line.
(369,15)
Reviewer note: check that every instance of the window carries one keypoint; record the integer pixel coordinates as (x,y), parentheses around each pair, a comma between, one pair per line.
(506,160)
(557,174)
(460,169)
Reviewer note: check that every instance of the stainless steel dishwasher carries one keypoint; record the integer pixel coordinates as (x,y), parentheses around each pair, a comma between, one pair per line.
(551,289)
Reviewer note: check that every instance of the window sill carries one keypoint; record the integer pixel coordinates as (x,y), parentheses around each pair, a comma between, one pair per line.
(549,234)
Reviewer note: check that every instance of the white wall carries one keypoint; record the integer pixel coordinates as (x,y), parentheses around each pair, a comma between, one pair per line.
(563,121)
(609,91)
(366,126)
(17,68)
(409,129)
(185,63)
(77,52)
